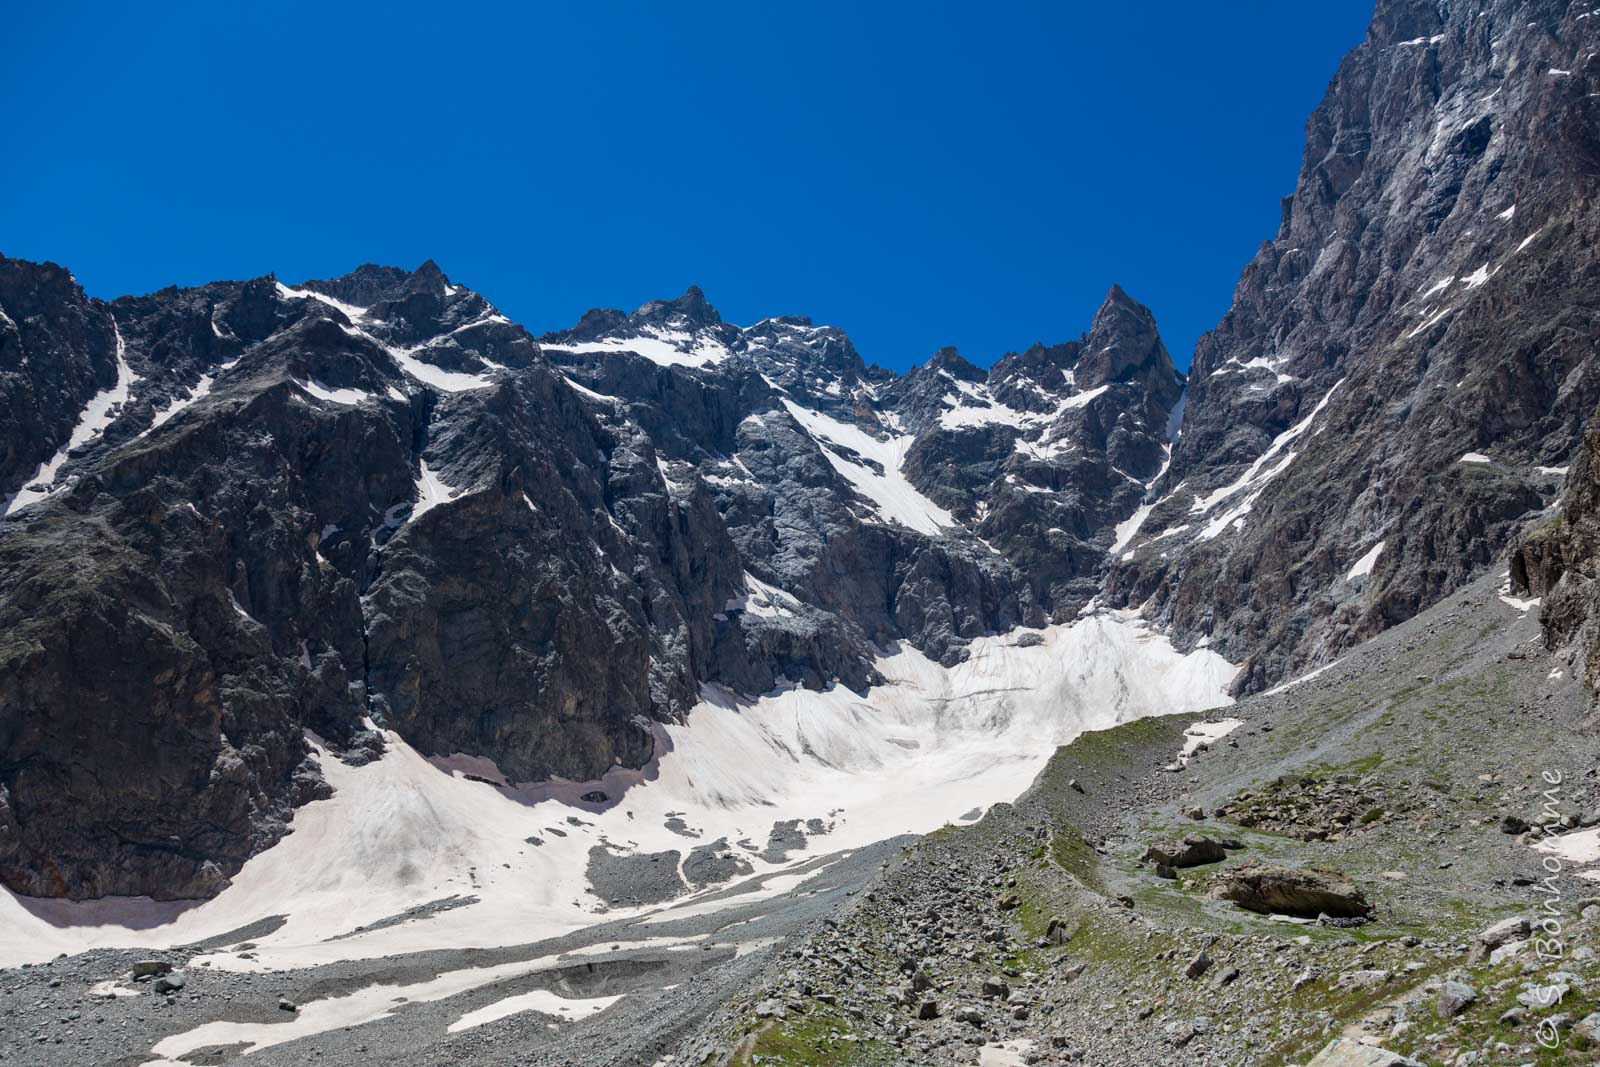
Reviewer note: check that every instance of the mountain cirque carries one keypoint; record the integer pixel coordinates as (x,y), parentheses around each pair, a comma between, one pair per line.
(264,545)
(375,500)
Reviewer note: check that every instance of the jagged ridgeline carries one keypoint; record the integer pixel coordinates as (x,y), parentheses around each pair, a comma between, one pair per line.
(240,512)
(243,512)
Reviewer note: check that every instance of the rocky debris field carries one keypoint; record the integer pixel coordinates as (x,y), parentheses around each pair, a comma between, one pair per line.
(110,1008)
(1119,913)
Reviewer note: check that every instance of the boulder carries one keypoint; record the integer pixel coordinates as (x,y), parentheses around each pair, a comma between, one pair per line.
(1501,934)
(169,983)
(1306,893)
(1347,1052)
(1191,851)
(1455,998)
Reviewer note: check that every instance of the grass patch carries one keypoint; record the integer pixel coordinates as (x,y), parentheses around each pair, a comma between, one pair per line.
(821,1036)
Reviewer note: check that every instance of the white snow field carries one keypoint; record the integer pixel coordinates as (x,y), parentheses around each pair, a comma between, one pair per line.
(890,491)
(669,348)
(915,753)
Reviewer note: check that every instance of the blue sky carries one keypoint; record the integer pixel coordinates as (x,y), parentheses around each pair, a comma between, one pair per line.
(920,175)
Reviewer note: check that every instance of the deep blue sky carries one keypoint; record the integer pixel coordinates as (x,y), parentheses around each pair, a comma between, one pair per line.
(919,174)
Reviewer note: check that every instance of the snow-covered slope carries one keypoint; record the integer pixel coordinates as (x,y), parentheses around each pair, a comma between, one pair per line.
(928,746)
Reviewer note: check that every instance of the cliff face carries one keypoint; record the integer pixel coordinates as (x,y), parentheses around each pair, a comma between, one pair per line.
(1408,364)
(243,512)
(1558,562)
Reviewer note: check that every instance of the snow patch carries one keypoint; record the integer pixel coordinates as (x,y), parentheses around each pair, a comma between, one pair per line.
(349,311)
(539,1000)
(1204,733)
(668,348)
(332,394)
(431,492)
(99,413)
(1279,443)
(1363,566)
(1579,848)
(891,493)
(1528,240)
(1300,680)
(583,390)
(427,373)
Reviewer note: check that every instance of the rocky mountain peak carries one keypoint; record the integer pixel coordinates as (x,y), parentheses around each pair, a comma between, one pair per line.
(953,363)
(690,310)
(429,276)
(1123,343)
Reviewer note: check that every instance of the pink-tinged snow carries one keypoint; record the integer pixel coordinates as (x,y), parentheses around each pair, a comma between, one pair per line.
(669,348)
(1363,566)
(914,753)
(97,415)
(891,493)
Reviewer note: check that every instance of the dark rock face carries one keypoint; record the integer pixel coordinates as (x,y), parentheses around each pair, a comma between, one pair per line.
(1429,297)
(290,514)
(1558,561)
(57,351)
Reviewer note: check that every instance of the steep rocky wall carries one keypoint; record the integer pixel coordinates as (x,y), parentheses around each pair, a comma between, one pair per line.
(1408,359)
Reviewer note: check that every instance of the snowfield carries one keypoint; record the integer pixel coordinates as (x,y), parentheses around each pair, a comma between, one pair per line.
(924,749)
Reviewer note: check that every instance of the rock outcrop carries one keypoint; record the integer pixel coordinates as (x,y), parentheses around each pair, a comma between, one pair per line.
(1292,891)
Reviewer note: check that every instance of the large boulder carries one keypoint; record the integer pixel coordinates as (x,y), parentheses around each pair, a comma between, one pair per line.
(1305,893)
(1191,851)
(1345,1052)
